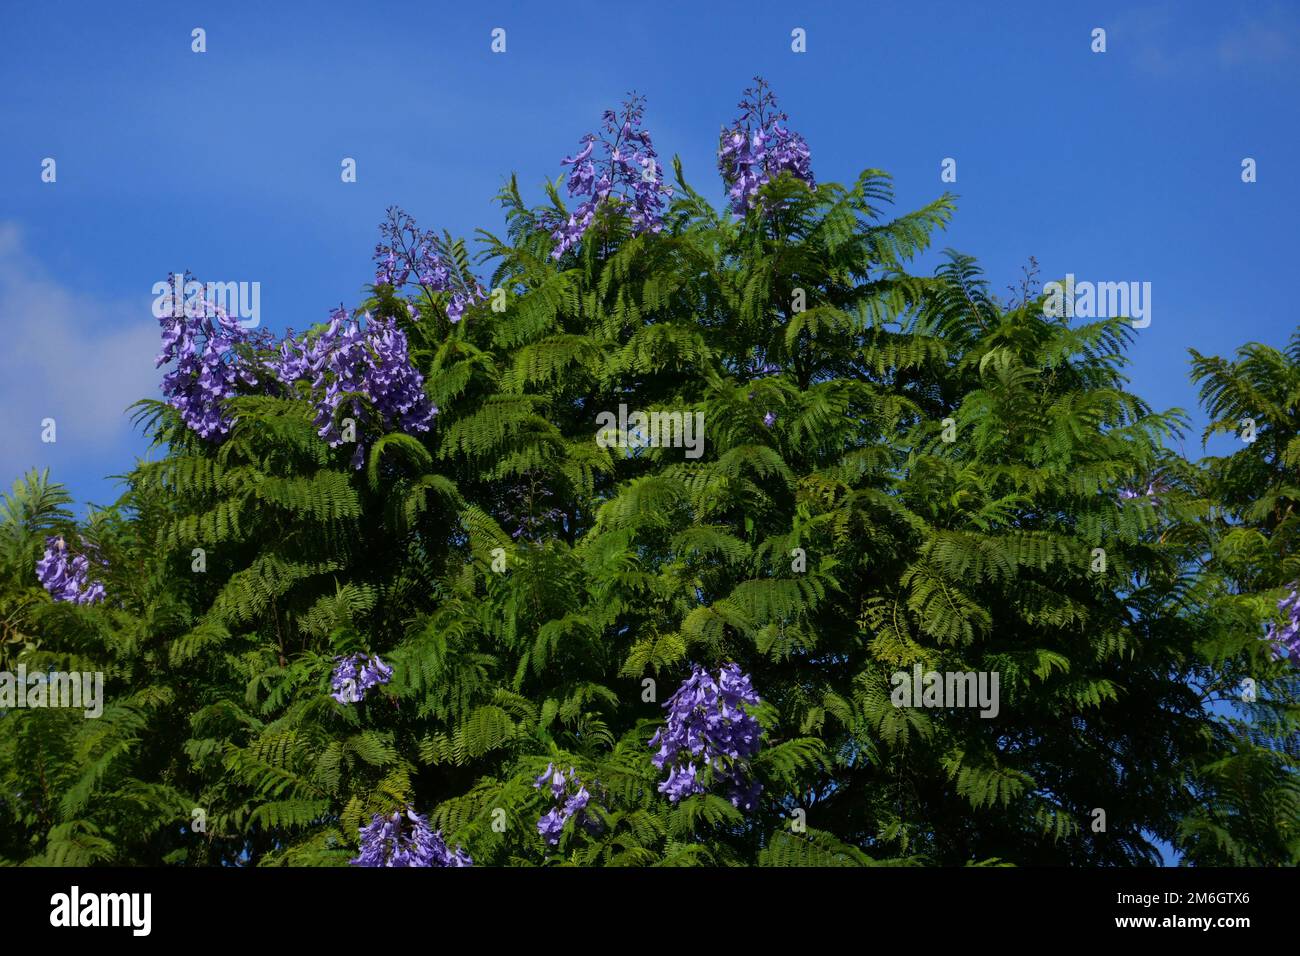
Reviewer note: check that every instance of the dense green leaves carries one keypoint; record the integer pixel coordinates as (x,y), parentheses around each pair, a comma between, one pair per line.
(896,471)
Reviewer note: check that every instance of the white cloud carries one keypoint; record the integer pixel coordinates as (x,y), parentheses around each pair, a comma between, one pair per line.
(69,356)
(1258,42)
(1161,44)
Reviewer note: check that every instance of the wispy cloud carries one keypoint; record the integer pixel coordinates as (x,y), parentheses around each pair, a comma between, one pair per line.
(1158,38)
(1260,41)
(71,357)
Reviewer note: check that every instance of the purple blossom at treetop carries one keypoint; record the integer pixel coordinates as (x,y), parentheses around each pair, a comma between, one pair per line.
(629,174)
(405,839)
(571,799)
(405,250)
(356,674)
(1286,639)
(200,338)
(756,149)
(709,725)
(372,361)
(67,580)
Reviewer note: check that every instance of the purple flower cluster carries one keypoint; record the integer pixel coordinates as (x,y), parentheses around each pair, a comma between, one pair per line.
(757,149)
(708,723)
(629,174)
(67,580)
(571,797)
(200,338)
(405,251)
(372,361)
(355,675)
(761,368)
(525,507)
(405,839)
(528,524)
(1286,639)
(1129,494)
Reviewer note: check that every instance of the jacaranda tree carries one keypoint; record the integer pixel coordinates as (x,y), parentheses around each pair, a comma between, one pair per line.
(616,542)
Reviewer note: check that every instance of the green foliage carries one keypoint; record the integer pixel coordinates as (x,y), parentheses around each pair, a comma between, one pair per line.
(531,587)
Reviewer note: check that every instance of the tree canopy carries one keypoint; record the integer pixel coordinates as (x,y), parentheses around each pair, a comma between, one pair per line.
(387,565)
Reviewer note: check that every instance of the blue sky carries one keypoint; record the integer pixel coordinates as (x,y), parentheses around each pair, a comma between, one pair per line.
(1123,165)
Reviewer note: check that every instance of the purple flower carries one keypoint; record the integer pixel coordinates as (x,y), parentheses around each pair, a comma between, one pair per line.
(405,839)
(758,148)
(355,675)
(628,176)
(66,579)
(578,802)
(346,360)
(708,722)
(571,799)
(1151,494)
(462,300)
(200,338)
(552,777)
(769,419)
(681,783)
(406,251)
(1286,638)
(550,826)
(525,506)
